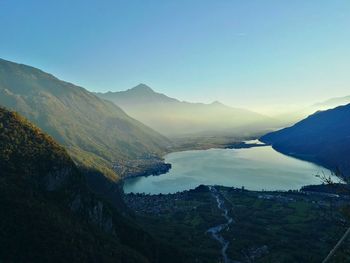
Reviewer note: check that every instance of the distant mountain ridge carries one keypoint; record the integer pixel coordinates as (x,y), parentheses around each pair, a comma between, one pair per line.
(295,116)
(95,132)
(140,94)
(172,117)
(323,137)
(332,103)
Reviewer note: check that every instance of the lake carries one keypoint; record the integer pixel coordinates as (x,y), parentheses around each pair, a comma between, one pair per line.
(256,168)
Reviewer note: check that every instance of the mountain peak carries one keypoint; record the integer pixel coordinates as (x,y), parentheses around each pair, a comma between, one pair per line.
(142,88)
(217,103)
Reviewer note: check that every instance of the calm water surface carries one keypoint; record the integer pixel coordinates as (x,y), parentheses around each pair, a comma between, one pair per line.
(257,168)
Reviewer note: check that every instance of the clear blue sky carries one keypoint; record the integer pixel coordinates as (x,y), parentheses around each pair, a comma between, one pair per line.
(244,53)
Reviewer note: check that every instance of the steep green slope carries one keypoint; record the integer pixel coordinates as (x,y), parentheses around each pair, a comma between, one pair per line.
(48,214)
(95,132)
(179,118)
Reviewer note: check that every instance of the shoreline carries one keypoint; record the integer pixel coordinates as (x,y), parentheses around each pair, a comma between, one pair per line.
(157,166)
(332,191)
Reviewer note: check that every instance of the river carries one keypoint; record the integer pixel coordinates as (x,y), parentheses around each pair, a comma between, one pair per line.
(215,231)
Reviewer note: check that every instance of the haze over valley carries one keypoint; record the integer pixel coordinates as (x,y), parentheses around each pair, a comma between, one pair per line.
(174,118)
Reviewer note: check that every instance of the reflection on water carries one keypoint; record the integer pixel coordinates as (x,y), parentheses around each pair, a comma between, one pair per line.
(258,168)
(256,141)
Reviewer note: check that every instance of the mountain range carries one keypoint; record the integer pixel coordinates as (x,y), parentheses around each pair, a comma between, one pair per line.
(173,118)
(323,137)
(56,139)
(97,133)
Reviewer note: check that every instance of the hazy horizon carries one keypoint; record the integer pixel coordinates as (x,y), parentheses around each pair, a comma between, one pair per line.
(270,57)
(225,138)
(268,110)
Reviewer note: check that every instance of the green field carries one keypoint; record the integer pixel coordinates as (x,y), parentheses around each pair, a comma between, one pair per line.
(268,226)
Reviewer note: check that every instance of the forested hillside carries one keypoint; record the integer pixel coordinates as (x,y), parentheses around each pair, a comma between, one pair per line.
(48,212)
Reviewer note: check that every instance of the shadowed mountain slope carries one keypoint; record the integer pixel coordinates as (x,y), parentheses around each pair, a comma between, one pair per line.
(323,137)
(48,212)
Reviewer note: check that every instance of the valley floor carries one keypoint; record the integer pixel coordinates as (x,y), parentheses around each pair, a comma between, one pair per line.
(266,227)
